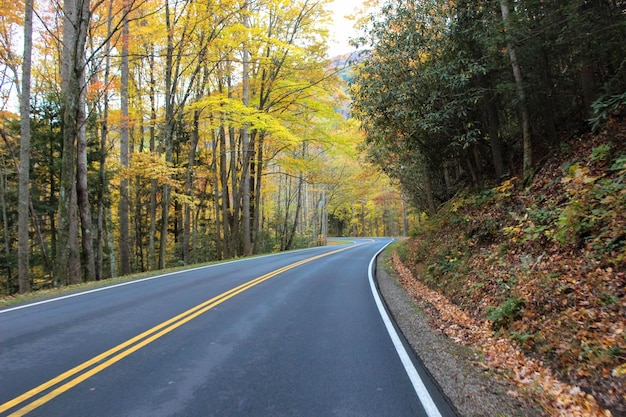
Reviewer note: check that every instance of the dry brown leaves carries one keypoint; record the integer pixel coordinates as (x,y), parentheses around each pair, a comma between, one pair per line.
(533,379)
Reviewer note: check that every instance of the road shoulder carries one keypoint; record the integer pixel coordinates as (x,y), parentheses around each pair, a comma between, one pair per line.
(468,386)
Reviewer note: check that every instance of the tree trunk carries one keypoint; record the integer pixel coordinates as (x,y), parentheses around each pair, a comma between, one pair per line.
(112,263)
(589,86)
(24,169)
(102,179)
(219,242)
(294,224)
(187,213)
(234,187)
(521,92)
(152,263)
(168,135)
(258,189)
(67,268)
(245,137)
(494,137)
(82,194)
(226,223)
(362,218)
(123,207)
(5,229)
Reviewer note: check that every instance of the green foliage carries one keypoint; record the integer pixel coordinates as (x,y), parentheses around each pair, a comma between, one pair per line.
(486,195)
(505,314)
(523,338)
(619,164)
(593,206)
(550,278)
(604,107)
(403,252)
(436,90)
(600,153)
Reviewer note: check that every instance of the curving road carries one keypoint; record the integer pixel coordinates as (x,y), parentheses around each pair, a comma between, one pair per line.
(293,334)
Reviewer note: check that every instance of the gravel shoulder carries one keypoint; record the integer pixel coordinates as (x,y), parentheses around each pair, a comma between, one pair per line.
(470,388)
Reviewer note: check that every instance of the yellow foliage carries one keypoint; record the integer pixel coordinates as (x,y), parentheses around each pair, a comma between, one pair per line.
(507,186)
(152,167)
(620,371)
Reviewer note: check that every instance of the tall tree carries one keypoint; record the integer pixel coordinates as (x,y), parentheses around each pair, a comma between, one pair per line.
(103,111)
(75,24)
(24,170)
(124,245)
(245,137)
(521,92)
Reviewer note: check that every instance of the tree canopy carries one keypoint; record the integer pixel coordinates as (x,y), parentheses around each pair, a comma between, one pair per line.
(452,94)
(170,132)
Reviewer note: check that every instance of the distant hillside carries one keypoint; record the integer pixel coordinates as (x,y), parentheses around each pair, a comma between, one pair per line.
(345,62)
(545,266)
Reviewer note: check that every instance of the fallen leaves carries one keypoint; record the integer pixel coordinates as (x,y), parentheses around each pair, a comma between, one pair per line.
(530,375)
(545,266)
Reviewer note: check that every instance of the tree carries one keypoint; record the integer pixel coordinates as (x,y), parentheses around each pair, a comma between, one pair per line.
(123,214)
(443,109)
(24,170)
(521,92)
(75,25)
(229,101)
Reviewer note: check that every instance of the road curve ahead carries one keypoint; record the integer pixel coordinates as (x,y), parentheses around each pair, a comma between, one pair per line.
(294,334)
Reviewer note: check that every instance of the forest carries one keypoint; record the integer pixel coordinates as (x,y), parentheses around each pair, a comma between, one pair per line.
(464,93)
(161,133)
(505,123)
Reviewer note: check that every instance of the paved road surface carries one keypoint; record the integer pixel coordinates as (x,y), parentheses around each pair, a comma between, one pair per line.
(295,334)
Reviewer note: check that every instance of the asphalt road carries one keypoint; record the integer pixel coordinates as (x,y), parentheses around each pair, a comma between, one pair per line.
(294,334)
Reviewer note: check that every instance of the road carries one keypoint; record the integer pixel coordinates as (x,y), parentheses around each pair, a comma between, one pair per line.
(293,334)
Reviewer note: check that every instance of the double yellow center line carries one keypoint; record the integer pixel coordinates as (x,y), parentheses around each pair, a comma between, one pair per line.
(73,377)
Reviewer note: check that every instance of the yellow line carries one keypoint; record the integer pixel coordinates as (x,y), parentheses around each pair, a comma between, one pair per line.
(136,343)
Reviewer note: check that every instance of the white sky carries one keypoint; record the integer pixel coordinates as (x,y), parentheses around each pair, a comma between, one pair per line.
(342,29)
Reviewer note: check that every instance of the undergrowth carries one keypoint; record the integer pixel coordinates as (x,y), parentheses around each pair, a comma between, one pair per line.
(546,264)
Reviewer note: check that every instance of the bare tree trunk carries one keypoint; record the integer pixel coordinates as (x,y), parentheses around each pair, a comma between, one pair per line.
(236,191)
(519,82)
(292,232)
(234,185)
(82,194)
(111,245)
(123,207)
(104,131)
(168,135)
(226,223)
(363,217)
(187,214)
(245,137)
(494,137)
(258,189)
(24,169)
(33,214)
(76,20)
(5,227)
(152,264)
(219,242)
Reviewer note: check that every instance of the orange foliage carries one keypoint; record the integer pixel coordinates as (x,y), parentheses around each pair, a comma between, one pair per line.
(547,266)
(530,375)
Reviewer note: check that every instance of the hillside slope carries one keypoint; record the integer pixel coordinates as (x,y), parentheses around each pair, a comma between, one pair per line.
(543,267)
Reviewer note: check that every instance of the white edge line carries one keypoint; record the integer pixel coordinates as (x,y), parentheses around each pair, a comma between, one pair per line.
(418,385)
(137,281)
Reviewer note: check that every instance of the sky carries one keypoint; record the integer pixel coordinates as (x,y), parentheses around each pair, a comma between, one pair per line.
(342,29)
